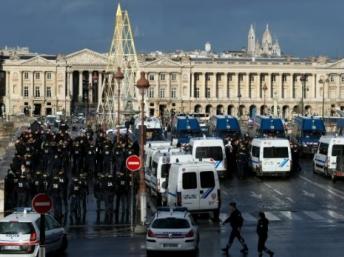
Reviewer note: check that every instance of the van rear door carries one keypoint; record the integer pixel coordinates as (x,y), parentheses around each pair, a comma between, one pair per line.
(208,192)
(190,190)
(276,158)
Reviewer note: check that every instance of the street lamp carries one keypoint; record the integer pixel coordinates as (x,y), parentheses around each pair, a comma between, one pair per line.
(142,85)
(239,111)
(264,95)
(323,81)
(303,80)
(119,77)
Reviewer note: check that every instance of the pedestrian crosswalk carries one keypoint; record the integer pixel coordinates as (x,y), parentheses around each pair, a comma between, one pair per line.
(294,216)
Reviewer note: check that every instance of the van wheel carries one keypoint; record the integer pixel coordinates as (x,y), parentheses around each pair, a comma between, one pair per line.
(216,215)
(333,178)
(149,253)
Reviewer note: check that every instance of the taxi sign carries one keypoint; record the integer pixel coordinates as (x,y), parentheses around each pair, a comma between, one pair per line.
(41,203)
(133,163)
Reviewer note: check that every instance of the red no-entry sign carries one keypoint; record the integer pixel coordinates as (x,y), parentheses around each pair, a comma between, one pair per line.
(41,203)
(133,163)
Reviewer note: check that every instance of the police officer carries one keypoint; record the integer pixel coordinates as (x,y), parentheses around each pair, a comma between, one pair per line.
(83,195)
(45,182)
(55,192)
(242,160)
(107,156)
(63,181)
(76,158)
(10,182)
(99,193)
(22,191)
(121,198)
(236,221)
(74,196)
(109,198)
(46,156)
(36,184)
(295,158)
(90,162)
(262,232)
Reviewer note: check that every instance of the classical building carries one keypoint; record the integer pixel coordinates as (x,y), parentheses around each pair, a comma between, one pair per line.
(227,83)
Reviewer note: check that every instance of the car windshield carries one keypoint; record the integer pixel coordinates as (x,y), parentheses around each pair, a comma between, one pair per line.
(169,223)
(214,152)
(16,228)
(312,134)
(276,152)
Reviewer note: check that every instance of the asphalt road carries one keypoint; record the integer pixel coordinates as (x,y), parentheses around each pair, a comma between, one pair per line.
(306,214)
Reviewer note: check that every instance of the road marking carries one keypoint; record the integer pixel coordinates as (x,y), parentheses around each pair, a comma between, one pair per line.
(225,192)
(223,216)
(248,217)
(313,215)
(332,191)
(271,216)
(273,189)
(335,215)
(255,195)
(306,193)
(289,199)
(290,215)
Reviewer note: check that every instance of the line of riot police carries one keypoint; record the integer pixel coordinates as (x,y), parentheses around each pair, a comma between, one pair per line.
(69,169)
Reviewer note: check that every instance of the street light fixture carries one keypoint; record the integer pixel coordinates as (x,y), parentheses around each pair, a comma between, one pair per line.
(119,76)
(323,81)
(142,85)
(303,80)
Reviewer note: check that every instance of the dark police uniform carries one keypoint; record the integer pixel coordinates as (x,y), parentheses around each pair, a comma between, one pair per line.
(262,232)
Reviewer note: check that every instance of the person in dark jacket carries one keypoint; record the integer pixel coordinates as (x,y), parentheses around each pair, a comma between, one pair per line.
(262,232)
(236,221)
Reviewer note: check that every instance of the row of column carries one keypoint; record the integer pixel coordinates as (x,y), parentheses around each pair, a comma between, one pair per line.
(235,85)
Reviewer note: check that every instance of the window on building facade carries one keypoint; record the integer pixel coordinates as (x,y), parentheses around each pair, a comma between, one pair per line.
(26,75)
(284,78)
(162,76)
(174,76)
(26,91)
(241,77)
(262,78)
(48,91)
(207,95)
(197,92)
(252,78)
(174,93)
(37,75)
(49,75)
(207,77)
(332,78)
(230,78)
(162,93)
(219,77)
(196,76)
(151,92)
(151,76)
(342,78)
(273,78)
(37,92)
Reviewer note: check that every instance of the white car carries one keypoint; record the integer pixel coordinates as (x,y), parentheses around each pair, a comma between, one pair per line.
(172,230)
(19,234)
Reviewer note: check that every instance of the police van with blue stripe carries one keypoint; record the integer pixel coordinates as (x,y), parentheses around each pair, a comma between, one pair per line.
(194,185)
(270,156)
(210,149)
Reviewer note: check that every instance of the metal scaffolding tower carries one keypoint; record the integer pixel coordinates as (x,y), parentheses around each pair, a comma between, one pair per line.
(122,54)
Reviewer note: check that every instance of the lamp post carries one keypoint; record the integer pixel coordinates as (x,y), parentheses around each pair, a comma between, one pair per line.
(119,77)
(323,81)
(142,85)
(303,80)
(239,111)
(264,95)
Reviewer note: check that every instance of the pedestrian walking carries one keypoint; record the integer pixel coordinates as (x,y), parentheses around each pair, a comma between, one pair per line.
(236,221)
(262,232)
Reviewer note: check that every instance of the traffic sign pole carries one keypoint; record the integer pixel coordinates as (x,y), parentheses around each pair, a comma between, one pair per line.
(42,236)
(133,163)
(42,204)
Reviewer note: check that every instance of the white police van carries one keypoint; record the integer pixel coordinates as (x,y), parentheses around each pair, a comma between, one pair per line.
(210,149)
(19,234)
(159,172)
(194,185)
(329,158)
(270,156)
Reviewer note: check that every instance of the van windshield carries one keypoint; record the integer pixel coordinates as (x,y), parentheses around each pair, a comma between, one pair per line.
(206,152)
(337,150)
(16,228)
(276,152)
(165,169)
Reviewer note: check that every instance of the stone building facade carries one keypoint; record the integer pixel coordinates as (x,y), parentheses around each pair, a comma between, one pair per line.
(180,82)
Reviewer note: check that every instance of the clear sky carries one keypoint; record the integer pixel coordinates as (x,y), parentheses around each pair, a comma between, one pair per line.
(303,27)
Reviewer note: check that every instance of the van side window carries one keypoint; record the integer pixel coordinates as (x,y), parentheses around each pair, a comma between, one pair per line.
(207,179)
(255,151)
(189,180)
(323,148)
(337,150)
(154,168)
